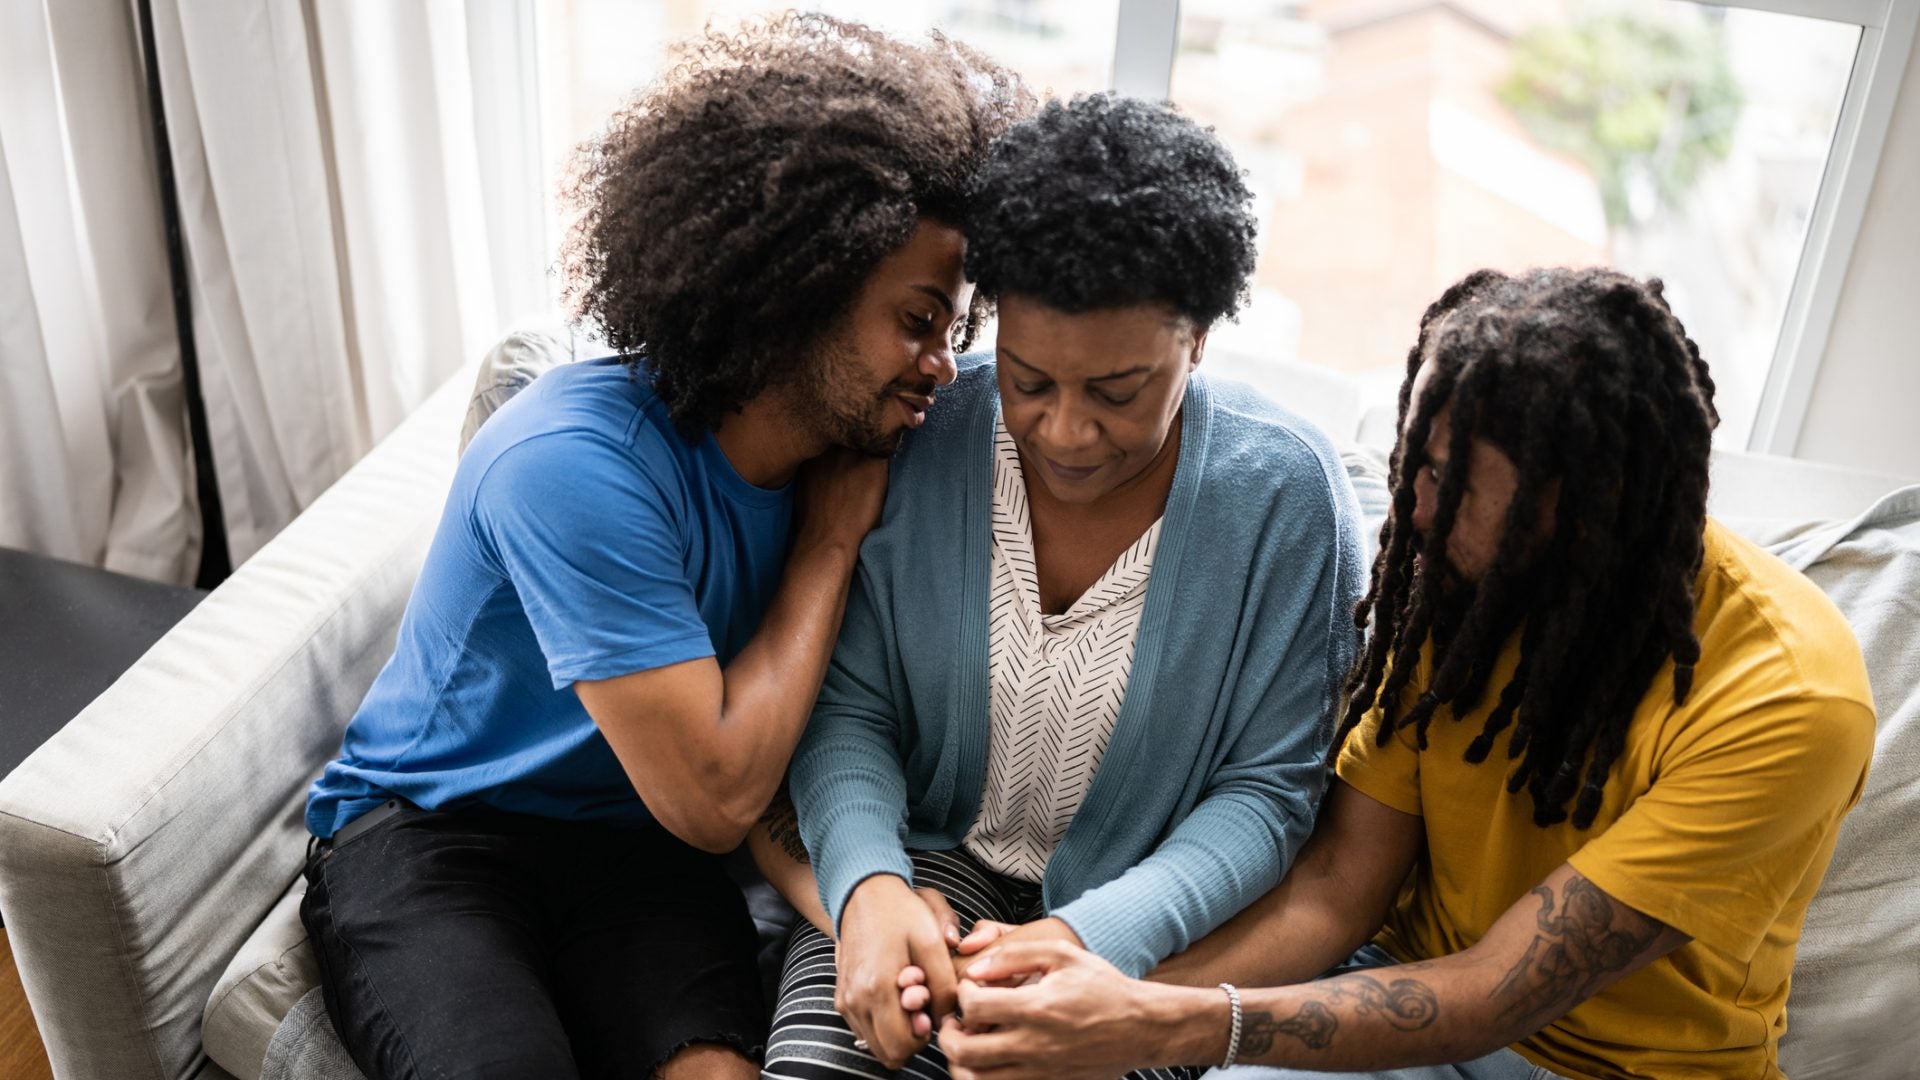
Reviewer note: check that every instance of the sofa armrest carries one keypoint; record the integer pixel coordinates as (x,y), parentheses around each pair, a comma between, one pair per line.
(141,845)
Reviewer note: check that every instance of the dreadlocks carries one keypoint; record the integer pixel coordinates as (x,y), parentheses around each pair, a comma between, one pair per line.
(1583,377)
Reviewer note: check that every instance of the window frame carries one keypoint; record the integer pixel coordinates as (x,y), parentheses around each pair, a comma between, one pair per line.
(1887,29)
(1148,37)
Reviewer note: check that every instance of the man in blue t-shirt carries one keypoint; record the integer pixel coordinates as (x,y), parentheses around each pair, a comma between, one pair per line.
(635,587)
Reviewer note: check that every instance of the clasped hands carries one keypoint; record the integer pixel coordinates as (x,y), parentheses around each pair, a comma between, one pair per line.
(903,962)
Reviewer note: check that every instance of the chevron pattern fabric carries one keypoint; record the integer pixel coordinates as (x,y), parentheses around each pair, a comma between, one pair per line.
(1054,682)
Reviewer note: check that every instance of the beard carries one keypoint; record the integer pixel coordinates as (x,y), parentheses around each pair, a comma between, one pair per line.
(1454,596)
(836,398)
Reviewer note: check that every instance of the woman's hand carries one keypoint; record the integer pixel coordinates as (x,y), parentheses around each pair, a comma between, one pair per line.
(887,929)
(915,996)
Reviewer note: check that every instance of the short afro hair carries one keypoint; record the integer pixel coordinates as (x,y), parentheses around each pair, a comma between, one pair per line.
(1109,201)
(731,212)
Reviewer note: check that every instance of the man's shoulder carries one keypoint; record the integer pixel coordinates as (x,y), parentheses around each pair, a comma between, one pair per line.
(574,419)
(1767,626)
(572,461)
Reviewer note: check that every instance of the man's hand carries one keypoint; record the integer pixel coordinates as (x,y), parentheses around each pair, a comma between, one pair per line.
(1056,1011)
(1069,1014)
(988,936)
(837,497)
(886,929)
(986,932)
(706,749)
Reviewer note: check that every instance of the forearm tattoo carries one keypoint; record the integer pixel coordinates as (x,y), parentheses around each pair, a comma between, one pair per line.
(783,826)
(1313,1025)
(1576,948)
(1406,1003)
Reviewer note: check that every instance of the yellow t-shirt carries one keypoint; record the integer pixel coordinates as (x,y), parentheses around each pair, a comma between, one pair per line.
(1719,819)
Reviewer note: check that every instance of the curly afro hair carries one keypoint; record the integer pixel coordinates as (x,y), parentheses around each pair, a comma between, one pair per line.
(730,213)
(1109,201)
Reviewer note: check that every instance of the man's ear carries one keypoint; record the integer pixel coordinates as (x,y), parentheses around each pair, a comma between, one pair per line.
(1199,348)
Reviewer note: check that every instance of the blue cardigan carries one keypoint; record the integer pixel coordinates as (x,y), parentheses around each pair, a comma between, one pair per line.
(1215,766)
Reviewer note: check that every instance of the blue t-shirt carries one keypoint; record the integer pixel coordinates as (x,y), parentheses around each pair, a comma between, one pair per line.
(583,539)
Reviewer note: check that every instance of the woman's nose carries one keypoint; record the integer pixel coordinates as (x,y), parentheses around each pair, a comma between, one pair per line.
(1067,428)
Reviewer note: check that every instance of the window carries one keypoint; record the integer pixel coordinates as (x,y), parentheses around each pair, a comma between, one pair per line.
(1394,145)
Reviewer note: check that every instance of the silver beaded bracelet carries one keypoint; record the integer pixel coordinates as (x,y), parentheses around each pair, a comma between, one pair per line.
(1233,1033)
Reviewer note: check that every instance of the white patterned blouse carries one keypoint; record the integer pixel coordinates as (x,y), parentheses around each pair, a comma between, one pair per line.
(1055,683)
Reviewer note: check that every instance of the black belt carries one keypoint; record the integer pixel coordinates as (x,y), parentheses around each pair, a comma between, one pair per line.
(367,821)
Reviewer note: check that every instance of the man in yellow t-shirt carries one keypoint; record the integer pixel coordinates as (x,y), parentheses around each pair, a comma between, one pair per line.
(1718,820)
(1594,760)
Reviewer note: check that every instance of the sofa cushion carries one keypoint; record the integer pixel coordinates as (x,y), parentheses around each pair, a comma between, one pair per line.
(1857,974)
(520,357)
(305,1047)
(272,971)
(1367,470)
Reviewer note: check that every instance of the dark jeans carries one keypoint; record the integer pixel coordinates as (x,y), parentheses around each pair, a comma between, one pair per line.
(477,943)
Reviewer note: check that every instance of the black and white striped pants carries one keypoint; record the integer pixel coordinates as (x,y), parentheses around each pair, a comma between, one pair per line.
(811,1041)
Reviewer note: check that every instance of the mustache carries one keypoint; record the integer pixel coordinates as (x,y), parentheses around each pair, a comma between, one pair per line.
(920,387)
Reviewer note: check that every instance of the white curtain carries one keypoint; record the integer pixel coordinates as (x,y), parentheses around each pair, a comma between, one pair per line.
(362,209)
(94,458)
(357,226)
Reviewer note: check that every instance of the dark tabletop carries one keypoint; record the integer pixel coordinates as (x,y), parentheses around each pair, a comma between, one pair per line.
(66,633)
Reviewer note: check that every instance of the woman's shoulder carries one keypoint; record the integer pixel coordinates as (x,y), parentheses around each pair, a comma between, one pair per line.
(938,462)
(961,410)
(1272,483)
(1255,440)
(973,383)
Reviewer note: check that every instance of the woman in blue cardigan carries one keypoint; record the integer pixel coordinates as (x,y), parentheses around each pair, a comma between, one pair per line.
(1086,679)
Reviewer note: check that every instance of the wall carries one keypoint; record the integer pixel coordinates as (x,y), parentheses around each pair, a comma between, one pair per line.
(1865,408)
